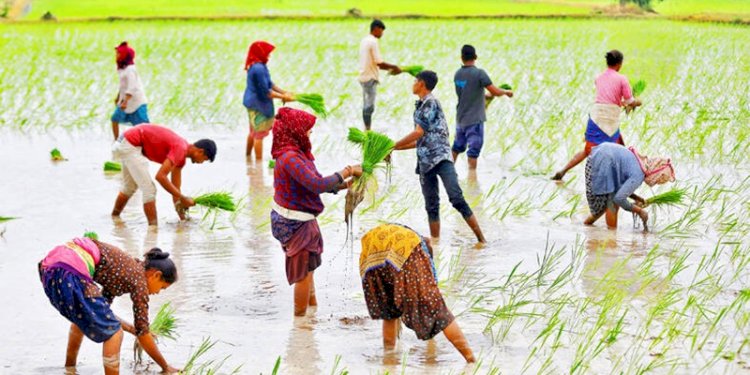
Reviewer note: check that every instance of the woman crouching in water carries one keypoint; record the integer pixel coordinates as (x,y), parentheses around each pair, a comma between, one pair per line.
(70,274)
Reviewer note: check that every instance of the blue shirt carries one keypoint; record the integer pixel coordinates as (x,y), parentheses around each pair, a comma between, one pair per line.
(258,86)
(433,147)
(615,169)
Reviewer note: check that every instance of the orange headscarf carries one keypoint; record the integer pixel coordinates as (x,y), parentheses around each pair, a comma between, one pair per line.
(258,52)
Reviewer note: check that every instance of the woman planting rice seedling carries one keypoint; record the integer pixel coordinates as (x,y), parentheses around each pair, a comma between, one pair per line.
(156,143)
(296,201)
(68,274)
(613,92)
(400,283)
(130,102)
(471,83)
(613,173)
(370,64)
(430,138)
(259,94)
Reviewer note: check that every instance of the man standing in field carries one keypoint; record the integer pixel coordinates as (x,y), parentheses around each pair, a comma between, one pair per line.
(470,112)
(136,146)
(370,63)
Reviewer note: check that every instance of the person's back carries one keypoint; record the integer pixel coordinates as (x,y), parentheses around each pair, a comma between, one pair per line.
(369,58)
(158,143)
(612,88)
(611,165)
(470,84)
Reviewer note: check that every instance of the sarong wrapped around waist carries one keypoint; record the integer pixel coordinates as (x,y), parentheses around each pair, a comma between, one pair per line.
(604,124)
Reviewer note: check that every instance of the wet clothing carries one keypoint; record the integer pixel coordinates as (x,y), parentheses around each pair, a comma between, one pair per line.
(433,146)
(399,280)
(88,306)
(613,88)
(470,83)
(158,143)
(260,125)
(302,243)
(612,171)
(130,84)
(140,116)
(258,87)
(469,137)
(431,190)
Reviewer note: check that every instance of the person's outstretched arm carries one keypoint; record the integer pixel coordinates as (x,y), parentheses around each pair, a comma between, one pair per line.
(410,140)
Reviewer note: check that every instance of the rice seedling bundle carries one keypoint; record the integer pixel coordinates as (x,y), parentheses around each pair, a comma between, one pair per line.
(669,198)
(356,136)
(375,149)
(163,325)
(56,155)
(219,200)
(506,86)
(314,101)
(271,164)
(638,87)
(112,166)
(412,69)
(91,235)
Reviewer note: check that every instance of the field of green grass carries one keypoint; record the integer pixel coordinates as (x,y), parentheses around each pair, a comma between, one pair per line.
(64,9)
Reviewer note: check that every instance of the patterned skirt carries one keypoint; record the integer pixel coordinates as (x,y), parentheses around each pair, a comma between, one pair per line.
(80,301)
(597,203)
(302,243)
(411,294)
(260,125)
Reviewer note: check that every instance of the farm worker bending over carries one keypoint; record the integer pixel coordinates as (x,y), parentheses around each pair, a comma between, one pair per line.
(613,92)
(152,142)
(296,201)
(400,283)
(430,138)
(130,102)
(259,94)
(613,173)
(471,83)
(370,63)
(83,276)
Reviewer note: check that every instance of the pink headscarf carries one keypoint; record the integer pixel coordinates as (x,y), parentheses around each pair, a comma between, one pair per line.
(657,170)
(290,132)
(125,56)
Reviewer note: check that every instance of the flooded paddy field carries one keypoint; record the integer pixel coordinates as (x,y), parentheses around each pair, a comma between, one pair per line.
(546,295)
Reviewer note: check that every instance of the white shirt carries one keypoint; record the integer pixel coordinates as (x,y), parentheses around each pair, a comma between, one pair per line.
(369,58)
(130,83)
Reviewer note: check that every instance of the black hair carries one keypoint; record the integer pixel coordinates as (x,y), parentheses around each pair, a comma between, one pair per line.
(209,148)
(155,259)
(376,23)
(429,78)
(614,57)
(468,52)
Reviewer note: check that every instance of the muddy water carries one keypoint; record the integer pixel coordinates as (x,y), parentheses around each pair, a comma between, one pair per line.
(232,285)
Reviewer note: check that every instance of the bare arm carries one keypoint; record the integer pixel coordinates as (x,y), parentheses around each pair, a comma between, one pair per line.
(410,140)
(161,176)
(393,68)
(278,90)
(148,344)
(496,91)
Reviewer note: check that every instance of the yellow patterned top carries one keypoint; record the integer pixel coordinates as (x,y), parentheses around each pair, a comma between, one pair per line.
(387,243)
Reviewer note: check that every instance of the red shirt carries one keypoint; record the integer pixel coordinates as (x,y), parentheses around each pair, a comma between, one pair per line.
(159,143)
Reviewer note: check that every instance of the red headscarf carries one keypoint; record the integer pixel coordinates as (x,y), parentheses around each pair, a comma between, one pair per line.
(290,132)
(258,52)
(126,55)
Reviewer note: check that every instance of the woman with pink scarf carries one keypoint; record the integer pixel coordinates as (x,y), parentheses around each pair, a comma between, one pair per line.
(130,102)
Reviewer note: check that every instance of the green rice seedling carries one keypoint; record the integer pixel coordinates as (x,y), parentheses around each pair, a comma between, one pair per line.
(56,155)
(314,101)
(271,164)
(163,325)
(638,87)
(506,86)
(92,235)
(669,198)
(276,366)
(7,218)
(212,367)
(112,166)
(219,200)
(412,69)
(357,136)
(374,151)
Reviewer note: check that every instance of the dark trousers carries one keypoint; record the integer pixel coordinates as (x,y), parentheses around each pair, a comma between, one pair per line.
(431,190)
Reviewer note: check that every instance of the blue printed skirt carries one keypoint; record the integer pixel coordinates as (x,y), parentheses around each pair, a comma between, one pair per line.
(140,116)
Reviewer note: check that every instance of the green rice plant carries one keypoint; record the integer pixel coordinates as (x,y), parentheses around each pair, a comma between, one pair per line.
(638,87)
(212,367)
(375,149)
(112,166)
(506,86)
(357,136)
(56,155)
(412,69)
(92,235)
(163,325)
(271,164)
(670,198)
(314,101)
(219,200)
(7,218)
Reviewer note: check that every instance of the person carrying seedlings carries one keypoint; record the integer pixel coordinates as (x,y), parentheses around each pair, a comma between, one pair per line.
(430,138)
(83,276)
(136,146)
(259,94)
(613,173)
(130,102)
(400,283)
(613,92)
(471,83)
(296,201)
(370,63)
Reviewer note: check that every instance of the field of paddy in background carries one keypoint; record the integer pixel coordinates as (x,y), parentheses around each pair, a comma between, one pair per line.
(547,294)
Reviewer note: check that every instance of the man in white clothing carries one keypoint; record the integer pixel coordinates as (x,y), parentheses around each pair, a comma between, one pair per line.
(370,63)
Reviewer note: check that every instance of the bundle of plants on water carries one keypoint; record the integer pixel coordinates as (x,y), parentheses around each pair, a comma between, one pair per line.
(112,166)
(412,69)
(375,148)
(670,198)
(164,325)
(221,200)
(314,101)
(56,155)
(489,99)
